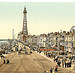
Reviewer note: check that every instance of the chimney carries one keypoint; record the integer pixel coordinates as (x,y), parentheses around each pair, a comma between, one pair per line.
(55,33)
(67,33)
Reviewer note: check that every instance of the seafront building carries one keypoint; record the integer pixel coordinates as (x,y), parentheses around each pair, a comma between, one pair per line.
(70,41)
(63,41)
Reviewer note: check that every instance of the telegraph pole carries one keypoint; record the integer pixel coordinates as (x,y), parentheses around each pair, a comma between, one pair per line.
(13,34)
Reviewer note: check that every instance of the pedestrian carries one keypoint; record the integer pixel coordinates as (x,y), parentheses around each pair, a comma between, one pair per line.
(4,61)
(46,53)
(7,61)
(50,55)
(51,70)
(62,62)
(65,64)
(54,55)
(70,64)
(59,62)
(30,52)
(56,68)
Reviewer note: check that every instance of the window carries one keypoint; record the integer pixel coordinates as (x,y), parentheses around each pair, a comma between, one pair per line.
(72,43)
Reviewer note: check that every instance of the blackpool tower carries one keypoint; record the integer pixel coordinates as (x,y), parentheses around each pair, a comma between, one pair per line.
(24,30)
(22,36)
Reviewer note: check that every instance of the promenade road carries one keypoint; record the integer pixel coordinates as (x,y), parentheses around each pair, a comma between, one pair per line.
(31,63)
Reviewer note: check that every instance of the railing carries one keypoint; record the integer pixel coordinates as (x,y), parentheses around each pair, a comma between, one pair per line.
(7,39)
(13,40)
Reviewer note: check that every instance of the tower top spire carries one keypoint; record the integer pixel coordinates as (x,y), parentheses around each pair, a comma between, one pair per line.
(24,10)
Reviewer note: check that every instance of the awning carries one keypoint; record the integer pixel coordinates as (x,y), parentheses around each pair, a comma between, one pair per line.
(48,49)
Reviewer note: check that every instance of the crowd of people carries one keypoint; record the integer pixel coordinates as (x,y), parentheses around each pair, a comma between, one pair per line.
(64,62)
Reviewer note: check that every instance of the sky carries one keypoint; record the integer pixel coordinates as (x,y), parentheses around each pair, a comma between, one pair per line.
(42,17)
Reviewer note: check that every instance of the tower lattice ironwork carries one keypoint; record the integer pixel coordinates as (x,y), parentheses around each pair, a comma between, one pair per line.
(24,30)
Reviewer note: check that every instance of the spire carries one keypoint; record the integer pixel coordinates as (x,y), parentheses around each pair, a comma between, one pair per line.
(24,10)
